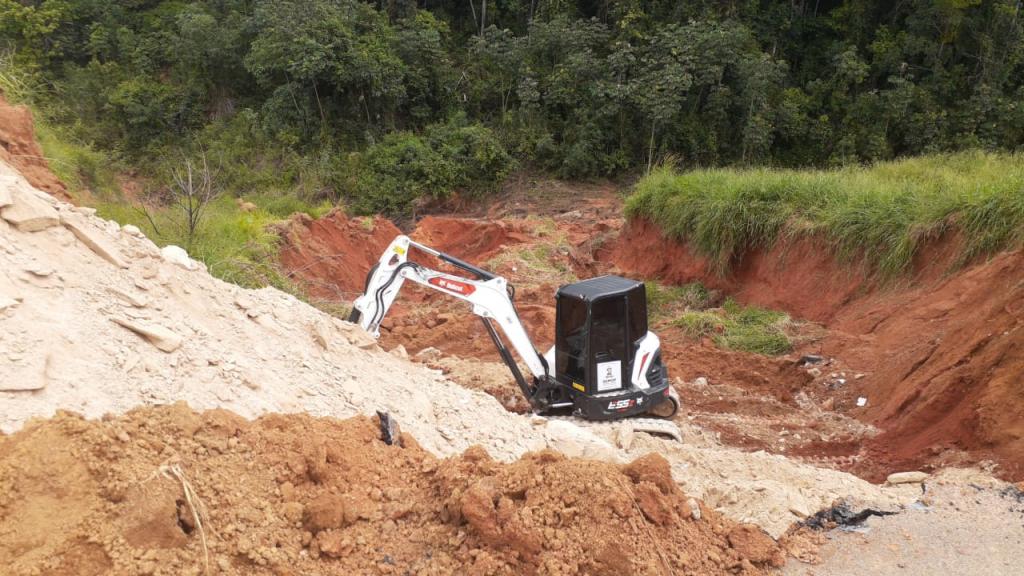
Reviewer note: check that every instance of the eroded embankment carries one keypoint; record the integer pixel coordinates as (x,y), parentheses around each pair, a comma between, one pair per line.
(941,354)
(19,148)
(168,490)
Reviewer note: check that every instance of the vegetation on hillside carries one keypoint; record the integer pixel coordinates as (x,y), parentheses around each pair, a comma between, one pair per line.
(737,327)
(387,106)
(304,97)
(883,213)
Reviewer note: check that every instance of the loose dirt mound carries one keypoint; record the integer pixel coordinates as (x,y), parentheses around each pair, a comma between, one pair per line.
(140,494)
(331,255)
(470,239)
(18,147)
(939,358)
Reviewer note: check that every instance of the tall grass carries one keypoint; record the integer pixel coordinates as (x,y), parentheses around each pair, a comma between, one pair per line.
(239,247)
(882,213)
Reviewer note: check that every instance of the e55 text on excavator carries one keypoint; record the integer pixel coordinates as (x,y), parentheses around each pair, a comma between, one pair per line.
(605,363)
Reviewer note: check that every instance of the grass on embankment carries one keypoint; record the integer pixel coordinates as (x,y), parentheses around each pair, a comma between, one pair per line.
(691,309)
(882,213)
(737,327)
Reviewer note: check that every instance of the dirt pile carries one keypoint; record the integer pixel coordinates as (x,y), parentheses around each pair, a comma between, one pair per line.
(19,148)
(168,490)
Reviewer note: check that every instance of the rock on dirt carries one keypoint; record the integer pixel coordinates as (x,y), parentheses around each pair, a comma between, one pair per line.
(92,238)
(907,477)
(177,255)
(27,211)
(163,338)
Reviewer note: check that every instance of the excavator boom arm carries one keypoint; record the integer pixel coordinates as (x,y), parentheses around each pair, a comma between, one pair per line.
(488,295)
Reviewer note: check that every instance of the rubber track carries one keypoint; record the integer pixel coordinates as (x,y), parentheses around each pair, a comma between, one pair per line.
(656,426)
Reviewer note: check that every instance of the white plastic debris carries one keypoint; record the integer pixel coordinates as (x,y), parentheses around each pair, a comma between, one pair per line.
(862,402)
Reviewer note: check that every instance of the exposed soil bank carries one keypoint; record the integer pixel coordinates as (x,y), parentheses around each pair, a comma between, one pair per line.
(942,357)
(18,147)
(799,276)
(298,495)
(331,255)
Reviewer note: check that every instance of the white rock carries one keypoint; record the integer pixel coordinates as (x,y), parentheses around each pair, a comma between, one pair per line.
(163,338)
(862,402)
(94,239)
(132,230)
(428,354)
(399,352)
(624,436)
(177,255)
(136,300)
(577,442)
(907,477)
(29,213)
(694,508)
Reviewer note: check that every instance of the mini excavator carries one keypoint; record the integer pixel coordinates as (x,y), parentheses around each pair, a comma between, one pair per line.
(605,363)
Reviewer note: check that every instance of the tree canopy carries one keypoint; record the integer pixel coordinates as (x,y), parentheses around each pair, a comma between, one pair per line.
(578,87)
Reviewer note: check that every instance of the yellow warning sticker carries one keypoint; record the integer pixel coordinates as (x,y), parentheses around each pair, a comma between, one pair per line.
(579,386)
(399,250)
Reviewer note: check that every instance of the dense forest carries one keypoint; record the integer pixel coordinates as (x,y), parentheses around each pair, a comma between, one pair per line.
(394,100)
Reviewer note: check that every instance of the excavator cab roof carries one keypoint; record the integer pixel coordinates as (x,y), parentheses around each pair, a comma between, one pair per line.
(600,287)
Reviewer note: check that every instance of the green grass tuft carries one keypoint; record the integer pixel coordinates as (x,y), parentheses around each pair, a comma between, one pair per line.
(882,213)
(663,300)
(736,327)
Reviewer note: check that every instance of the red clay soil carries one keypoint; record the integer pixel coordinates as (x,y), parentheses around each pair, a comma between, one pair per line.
(470,239)
(331,255)
(799,276)
(942,357)
(18,147)
(168,491)
(938,357)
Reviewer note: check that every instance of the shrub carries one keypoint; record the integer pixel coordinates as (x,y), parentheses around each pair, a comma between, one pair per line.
(397,171)
(479,160)
(403,168)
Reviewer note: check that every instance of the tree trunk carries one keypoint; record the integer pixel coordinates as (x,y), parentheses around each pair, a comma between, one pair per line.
(483,17)
(650,150)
